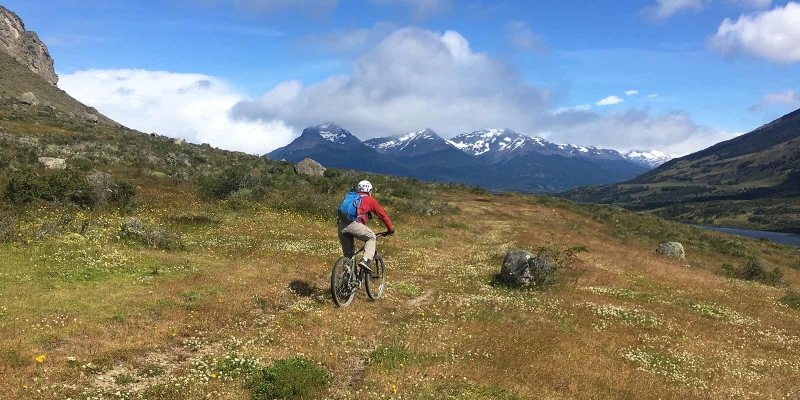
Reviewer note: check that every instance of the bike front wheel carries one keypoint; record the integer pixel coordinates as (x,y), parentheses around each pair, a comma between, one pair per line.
(376,281)
(342,278)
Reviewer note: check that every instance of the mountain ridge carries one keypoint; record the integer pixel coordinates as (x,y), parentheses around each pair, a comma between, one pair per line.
(751,181)
(499,159)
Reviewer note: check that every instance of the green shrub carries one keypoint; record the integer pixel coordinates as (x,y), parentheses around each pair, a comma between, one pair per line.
(293,378)
(754,269)
(791,299)
(123,193)
(23,188)
(69,186)
(234,178)
(83,164)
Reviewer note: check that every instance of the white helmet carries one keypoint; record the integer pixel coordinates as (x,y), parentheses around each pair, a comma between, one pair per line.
(365,187)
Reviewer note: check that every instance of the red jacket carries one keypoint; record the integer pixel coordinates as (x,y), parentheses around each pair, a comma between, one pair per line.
(369,205)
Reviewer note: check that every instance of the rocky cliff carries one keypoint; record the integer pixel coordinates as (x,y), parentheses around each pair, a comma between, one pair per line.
(25,46)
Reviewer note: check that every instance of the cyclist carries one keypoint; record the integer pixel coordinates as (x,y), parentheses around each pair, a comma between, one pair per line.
(358,229)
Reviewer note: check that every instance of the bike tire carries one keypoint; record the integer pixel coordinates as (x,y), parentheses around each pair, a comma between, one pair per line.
(342,274)
(376,281)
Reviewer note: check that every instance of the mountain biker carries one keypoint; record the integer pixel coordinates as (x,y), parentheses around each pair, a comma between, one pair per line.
(358,229)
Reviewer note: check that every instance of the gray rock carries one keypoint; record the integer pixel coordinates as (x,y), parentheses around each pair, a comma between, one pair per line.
(309,167)
(52,163)
(522,268)
(672,249)
(25,46)
(177,141)
(47,104)
(28,98)
(92,118)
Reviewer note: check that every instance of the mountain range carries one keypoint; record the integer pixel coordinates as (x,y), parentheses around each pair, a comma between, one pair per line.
(751,181)
(498,159)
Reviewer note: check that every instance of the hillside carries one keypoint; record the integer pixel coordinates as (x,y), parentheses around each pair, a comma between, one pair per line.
(150,268)
(751,181)
(16,79)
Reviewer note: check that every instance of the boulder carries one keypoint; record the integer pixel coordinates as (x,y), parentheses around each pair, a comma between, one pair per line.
(309,167)
(522,268)
(177,141)
(92,118)
(672,249)
(47,104)
(52,163)
(28,98)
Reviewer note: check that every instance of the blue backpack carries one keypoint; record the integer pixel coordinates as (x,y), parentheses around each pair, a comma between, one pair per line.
(348,211)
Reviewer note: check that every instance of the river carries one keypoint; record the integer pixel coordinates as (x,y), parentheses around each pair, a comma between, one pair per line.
(777,237)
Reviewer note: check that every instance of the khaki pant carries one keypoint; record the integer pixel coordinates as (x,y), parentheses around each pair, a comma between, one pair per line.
(350,230)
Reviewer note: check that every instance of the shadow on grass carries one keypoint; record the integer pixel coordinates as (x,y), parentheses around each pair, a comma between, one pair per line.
(304,289)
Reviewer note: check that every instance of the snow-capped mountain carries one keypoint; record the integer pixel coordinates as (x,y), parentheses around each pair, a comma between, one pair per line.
(333,146)
(332,133)
(503,144)
(410,145)
(650,159)
(498,159)
(491,140)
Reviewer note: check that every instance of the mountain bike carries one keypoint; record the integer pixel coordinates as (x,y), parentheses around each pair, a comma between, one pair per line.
(347,277)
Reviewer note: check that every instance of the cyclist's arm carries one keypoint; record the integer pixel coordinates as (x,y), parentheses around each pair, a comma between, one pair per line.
(378,210)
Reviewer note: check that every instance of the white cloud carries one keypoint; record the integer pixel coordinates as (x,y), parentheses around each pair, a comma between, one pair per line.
(412,78)
(773,35)
(352,39)
(610,100)
(524,38)
(664,9)
(788,98)
(415,78)
(422,8)
(192,106)
(673,133)
(652,95)
(631,92)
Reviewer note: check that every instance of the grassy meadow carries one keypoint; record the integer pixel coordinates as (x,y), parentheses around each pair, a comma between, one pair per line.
(209,279)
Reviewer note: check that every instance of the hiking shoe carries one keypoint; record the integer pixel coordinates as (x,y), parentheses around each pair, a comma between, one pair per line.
(365,264)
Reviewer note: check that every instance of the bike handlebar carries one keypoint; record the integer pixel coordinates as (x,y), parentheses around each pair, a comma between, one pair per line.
(381,234)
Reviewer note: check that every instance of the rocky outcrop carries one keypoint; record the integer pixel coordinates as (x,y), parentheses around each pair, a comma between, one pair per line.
(52,163)
(25,46)
(309,167)
(522,268)
(672,249)
(91,118)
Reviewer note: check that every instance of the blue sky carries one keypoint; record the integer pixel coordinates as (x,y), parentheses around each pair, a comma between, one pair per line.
(538,67)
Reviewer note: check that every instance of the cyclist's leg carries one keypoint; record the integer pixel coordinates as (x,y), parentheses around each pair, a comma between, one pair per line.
(347,241)
(362,232)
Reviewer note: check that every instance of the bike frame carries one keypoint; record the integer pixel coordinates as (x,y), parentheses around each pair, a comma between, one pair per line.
(359,251)
(359,273)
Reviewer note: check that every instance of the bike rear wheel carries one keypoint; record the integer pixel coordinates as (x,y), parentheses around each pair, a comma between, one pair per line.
(376,281)
(342,278)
